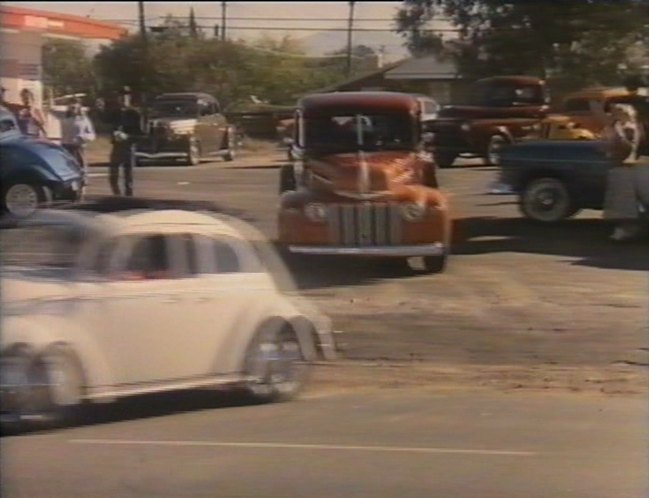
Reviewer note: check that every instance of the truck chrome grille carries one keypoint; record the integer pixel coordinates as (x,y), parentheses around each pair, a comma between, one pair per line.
(364,224)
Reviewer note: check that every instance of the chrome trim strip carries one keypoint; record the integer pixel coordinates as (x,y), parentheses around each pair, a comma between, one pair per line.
(349,227)
(365,225)
(435,249)
(395,223)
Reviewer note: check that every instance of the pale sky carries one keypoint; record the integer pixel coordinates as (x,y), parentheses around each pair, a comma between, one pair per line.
(154,11)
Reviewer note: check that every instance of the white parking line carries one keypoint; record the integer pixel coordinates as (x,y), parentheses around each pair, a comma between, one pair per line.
(376,449)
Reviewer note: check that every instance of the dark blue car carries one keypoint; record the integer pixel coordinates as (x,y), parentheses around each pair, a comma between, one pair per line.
(33,173)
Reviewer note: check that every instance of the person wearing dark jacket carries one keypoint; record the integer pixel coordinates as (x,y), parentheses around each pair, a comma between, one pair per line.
(127,128)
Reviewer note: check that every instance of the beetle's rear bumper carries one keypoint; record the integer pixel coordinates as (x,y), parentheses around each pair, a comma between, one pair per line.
(435,249)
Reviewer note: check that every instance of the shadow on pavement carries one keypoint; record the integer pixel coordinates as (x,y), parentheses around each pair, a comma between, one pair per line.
(584,239)
(147,406)
(317,272)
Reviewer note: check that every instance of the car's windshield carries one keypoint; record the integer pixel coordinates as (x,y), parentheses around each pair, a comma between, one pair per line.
(174,108)
(359,132)
(41,247)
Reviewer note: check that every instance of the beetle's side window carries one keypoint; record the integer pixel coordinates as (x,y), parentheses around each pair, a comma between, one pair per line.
(149,259)
(227,260)
(185,249)
(218,255)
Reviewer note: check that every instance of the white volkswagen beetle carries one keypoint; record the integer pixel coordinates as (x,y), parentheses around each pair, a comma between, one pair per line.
(97,306)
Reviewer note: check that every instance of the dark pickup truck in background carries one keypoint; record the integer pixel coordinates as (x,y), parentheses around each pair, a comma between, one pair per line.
(502,109)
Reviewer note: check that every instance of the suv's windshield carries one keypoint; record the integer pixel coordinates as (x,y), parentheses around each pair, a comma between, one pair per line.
(169,108)
(359,132)
(53,247)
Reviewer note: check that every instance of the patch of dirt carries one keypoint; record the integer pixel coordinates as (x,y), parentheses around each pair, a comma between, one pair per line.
(344,376)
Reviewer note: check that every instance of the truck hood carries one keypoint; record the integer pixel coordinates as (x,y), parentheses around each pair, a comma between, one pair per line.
(364,174)
(479,112)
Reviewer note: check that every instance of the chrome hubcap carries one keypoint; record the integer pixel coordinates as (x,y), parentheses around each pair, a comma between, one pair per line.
(21,200)
(273,364)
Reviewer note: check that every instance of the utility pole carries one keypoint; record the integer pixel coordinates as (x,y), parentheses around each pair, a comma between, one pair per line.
(380,57)
(140,6)
(224,6)
(349,38)
(145,59)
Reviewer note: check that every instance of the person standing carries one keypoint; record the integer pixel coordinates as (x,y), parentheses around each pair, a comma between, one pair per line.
(622,203)
(31,120)
(76,132)
(127,128)
(10,106)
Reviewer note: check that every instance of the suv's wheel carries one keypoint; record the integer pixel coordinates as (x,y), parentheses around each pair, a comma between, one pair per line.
(547,200)
(444,159)
(274,366)
(494,148)
(287,179)
(194,153)
(23,199)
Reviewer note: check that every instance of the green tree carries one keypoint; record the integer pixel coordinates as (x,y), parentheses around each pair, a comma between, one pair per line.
(575,42)
(274,70)
(364,58)
(67,68)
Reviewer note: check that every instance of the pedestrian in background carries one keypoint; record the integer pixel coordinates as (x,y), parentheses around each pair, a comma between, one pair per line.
(127,128)
(77,131)
(31,120)
(625,182)
(11,106)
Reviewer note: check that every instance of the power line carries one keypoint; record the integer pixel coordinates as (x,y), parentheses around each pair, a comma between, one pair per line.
(290,19)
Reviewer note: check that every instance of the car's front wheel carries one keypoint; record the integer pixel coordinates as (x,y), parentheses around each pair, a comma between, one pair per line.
(547,200)
(494,150)
(274,366)
(194,153)
(23,199)
(231,145)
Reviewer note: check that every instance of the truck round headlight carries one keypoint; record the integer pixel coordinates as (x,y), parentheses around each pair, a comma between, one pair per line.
(412,211)
(465,127)
(316,212)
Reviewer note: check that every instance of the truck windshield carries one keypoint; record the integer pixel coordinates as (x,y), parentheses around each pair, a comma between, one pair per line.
(508,95)
(174,109)
(377,132)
